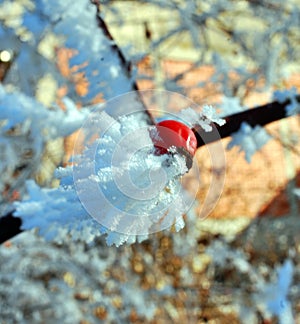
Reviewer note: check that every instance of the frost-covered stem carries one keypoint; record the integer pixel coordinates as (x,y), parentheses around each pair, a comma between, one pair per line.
(102,25)
(259,116)
(11,226)
(126,64)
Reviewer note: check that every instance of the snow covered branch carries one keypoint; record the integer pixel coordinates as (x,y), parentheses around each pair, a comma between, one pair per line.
(259,116)
(106,71)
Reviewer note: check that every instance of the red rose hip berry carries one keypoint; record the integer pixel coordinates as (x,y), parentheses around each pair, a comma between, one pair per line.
(170,133)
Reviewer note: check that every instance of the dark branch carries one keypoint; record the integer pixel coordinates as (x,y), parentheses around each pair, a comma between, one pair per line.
(261,116)
(9,227)
(126,64)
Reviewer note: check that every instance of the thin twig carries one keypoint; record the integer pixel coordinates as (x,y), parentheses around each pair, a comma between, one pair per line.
(259,116)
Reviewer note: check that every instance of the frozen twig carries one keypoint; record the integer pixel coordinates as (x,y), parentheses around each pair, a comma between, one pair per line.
(259,116)
(262,115)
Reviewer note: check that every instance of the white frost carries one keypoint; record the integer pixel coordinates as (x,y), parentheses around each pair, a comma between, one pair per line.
(249,139)
(274,296)
(290,94)
(204,118)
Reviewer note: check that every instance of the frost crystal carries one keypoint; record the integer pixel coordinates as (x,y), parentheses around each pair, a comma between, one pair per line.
(24,133)
(204,118)
(230,105)
(274,296)
(249,139)
(293,107)
(20,111)
(131,181)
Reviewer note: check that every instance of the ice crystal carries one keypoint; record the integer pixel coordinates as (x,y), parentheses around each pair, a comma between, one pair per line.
(249,139)
(289,94)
